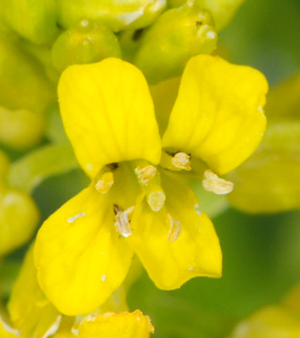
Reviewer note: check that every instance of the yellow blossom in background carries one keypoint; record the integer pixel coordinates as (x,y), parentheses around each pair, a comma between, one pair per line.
(277,321)
(136,202)
(270,322)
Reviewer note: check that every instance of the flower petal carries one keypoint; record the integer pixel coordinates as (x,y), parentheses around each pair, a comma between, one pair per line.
(218,114)
(169,257)
(79,256)
(30,312)
(123,325)
(108,114)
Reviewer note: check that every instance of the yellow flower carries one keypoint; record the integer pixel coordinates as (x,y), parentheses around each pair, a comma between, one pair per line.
(135,203)
(109,325)
(30,314)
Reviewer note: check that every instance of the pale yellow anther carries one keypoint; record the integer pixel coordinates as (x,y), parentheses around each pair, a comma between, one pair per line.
(175,229)
(156,200)
(106,181)
(122,221)
(145,174)
(215,184)
(182,161)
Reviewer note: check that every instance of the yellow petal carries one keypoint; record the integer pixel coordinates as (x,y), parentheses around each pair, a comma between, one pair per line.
(79,256)
(108,114)
(178,242)
(6,331)
(123,325)
(218,114)
(30,312)
(164,95)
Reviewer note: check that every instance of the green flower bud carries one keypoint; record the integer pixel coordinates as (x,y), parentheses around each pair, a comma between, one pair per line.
(86,42)
(23,82)
(269,181)
(176,36)
(20,129)
(34,20)
(19,217)
(222,11)
(115,14)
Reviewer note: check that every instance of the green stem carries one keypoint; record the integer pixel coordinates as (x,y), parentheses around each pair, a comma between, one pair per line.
(50,160)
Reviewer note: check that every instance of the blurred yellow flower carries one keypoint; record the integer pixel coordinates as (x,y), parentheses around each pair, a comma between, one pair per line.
(270,322)
(135,203)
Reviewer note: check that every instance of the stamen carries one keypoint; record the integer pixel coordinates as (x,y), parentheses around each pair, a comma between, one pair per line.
(122,220)
(145,174)
(182,161)
(156,200)
(106,181)
(175,229)
(215,184)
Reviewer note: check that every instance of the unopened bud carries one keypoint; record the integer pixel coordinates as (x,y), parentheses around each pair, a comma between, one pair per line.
(34,20)
(173,39)
(86,42)
(115,14)
(20,129)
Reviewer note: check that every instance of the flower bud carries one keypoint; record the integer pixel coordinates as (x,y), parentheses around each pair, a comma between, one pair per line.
(222,11)
(176,36)
(86,42)
(20,129)
(23,83)
(34,20)
(115,14)
(19,217)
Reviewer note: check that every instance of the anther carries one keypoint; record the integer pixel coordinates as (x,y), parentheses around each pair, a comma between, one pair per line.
(156,200)
(122,220)
(106,181)
(182,161)
(175,229)
(215,184)
(145,174)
